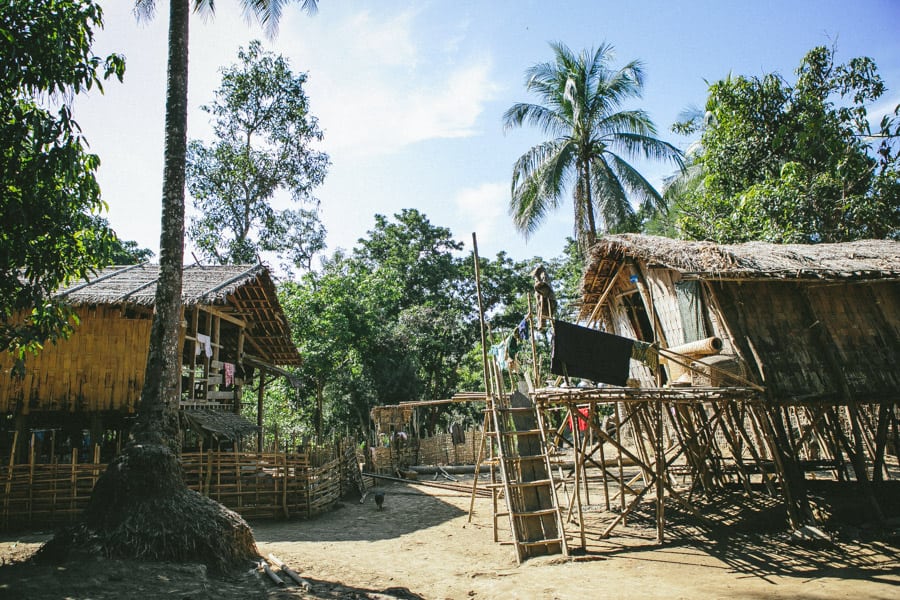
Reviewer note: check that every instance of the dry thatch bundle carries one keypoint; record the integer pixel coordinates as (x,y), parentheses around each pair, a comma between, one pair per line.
(140,508)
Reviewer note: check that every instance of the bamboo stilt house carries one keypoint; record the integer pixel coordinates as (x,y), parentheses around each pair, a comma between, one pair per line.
(815,328)
(812,323)
(233,329)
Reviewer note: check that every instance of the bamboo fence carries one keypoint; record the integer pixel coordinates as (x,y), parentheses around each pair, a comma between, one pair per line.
(255,485)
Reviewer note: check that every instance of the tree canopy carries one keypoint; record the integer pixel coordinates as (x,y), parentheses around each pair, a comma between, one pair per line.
(264,136)
(49,195)
(396,319)
(797,162)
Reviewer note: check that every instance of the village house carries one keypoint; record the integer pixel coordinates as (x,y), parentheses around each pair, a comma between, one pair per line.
(83,392)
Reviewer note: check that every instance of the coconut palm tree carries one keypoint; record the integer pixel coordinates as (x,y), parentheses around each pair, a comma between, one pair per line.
(580,98)
(159,397)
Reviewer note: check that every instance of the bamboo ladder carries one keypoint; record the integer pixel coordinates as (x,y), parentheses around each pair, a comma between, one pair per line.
(517,430)
(528,488)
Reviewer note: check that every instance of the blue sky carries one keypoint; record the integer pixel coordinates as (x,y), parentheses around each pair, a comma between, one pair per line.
(410,93)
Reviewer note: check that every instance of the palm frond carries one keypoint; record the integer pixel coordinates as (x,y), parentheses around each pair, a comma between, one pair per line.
(144,10)
(547,120)
(268,12)
(538,181)
(635,183)
(609,195)
(649,147)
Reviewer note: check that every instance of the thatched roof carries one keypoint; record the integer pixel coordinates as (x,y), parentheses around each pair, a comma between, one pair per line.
(136,284)
(865,259)
(852,261)
(246,292)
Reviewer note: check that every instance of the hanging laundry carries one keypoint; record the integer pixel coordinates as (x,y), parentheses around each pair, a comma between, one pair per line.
(583,415)
(512,347)
(582,352)
(229,373)
(523,329)
(498,351)
(204,342)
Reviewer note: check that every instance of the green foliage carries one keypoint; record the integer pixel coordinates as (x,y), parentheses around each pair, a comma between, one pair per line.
(793,163)
(49,194)
(591,137)
(396,319)
(263,143)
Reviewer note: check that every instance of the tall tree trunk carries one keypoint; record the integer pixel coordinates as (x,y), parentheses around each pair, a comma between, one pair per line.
(158,410)
(584,210)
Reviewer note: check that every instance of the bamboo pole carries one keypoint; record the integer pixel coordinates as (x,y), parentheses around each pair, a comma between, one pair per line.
(9,476)
(579,462)
(660,474)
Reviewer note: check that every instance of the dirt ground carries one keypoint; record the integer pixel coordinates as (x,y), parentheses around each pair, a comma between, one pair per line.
(422,545)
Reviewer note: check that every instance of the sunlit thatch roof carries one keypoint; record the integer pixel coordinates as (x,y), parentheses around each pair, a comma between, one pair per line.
(245,292)
(852,261)
(865,259)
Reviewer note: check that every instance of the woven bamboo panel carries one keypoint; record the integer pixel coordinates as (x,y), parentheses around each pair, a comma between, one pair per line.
(101,367)
(862,336)
(435,450)
(665,304)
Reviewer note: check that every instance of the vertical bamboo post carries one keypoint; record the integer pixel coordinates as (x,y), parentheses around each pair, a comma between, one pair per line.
(603,472)
(579,461)
(30,477)
(485,426)
(284,479)
(535,367)
(73,503)
(660,474)
(260,437)
(9,477)
(620,462)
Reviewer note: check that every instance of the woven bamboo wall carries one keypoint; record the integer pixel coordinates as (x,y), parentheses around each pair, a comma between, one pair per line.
(808,336)
(665,303)
(436,450)
(865,344)
(100,368)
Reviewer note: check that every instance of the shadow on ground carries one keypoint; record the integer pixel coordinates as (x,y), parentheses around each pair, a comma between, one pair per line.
(405,509)
(750,536)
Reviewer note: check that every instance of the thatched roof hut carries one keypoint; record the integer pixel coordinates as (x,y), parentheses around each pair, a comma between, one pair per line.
(232,326)
(810,322)
(244,292)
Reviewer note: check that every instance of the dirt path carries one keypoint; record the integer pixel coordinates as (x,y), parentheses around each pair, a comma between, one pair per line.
(422,546)
(422,543)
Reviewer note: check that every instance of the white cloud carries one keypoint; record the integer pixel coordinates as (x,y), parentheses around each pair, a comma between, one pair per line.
(384,92)
(884,108)
(483,210)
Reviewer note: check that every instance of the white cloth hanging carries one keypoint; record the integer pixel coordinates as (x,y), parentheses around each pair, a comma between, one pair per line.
(204,342)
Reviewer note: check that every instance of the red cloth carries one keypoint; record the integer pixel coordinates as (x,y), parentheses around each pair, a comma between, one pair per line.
(229,374)
(583,415)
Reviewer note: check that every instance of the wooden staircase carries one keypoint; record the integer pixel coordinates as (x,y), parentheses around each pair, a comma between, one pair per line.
(526,481)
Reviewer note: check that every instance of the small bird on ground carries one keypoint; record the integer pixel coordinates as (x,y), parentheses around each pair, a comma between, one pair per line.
(379,498)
